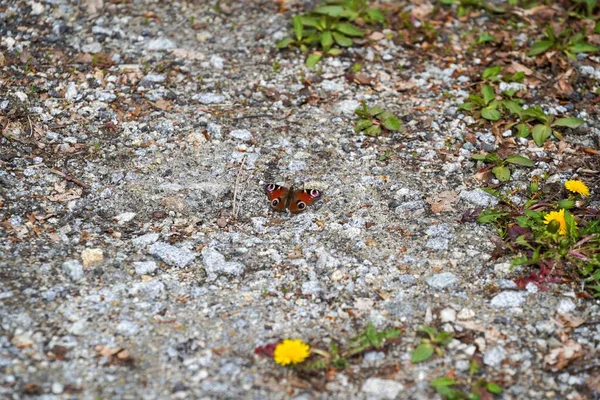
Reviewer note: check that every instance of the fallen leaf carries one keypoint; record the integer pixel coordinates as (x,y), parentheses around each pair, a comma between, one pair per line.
(560,357)
(71,194)
(163,104)
(568,320)
(443,201)
(420,11)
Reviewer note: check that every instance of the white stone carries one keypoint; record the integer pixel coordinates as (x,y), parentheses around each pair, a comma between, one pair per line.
(448,315)
(382,388)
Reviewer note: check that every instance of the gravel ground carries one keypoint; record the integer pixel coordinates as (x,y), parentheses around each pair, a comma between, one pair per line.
(126,273)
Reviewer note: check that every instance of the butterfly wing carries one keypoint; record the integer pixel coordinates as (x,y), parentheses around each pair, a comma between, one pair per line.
(301,199)
(278,196)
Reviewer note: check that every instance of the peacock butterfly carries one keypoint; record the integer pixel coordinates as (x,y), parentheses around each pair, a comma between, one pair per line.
(295,200)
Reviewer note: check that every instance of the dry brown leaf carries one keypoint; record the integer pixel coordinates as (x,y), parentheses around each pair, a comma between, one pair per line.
(564,88)
(376,36)
(163,104)
(403,86)
(516,67)
(363,79)
(593,382)
(93,6)
(421,10)
(71,194)
(483,176)
(568,320)
(443,201)
(560,357)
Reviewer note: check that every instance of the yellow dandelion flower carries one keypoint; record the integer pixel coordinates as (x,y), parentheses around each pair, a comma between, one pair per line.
(577,187)
(291,351)
(558,216)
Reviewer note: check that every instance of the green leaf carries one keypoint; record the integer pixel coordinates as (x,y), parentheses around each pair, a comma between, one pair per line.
(362,124)
(523,130)
(431,332)
(501,172)
(308,21)
(488,94)
(332,11)
(349,30)
(485,37)
(518,76)
(549,32)
(374,111)
(342,40)
(442,381)
(540,47)
(466,106)
(374,130)
(558,135)
(571,227)
(512,106)
(491,72)
(491,114)
(540,133)
(493,388)
(326,40)
(334,51)
(392,123)
(519,160)
(313,59)
(568,122)
(297,22)
(285,42)
(376,15)
(582,47)
(421,353)
(479,157)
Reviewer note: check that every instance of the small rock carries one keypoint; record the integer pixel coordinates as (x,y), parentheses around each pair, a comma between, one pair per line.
(78,328)
(448,315)
(215,264)
(145,240)
(209,98)
(241,134)
(382,388)
(160,44)
(37,8)
(57,388)
(92,48)
(216,61)
(21,341)
(172,255)
(466,313)
(145,267)
(346,107)
(508,299)
(125,217)
(479,197)
(438,243)
(311,288)
(91,257)
(565,306)
(442,281)
(74,269)
(494,356)
(128,328)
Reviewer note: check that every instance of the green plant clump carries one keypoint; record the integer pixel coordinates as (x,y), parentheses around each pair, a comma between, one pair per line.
(371,120)
(330,27)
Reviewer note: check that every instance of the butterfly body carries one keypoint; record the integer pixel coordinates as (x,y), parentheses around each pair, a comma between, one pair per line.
(295,200)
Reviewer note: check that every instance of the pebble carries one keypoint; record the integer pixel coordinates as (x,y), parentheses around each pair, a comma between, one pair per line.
(215,264)
(73,269)
(466,314)
(216,61)
(57,388)
(128,328)
(494,356)
(174,256)
(125,217)
(442,281)
(346,107)
(479,197)
(508,299)
(91,257)
(241,134)
(145,240)
(160,44)
(209,98)
(382,388)
(448,315)
(566,306)
(145,267)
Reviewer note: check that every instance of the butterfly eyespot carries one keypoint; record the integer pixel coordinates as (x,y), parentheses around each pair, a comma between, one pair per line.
(301,205)
(275,202)
(270,187)
(314,193)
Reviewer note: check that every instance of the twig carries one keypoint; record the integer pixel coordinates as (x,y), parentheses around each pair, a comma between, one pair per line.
(30,126)
(235,190)
(253,116)
(69,178)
